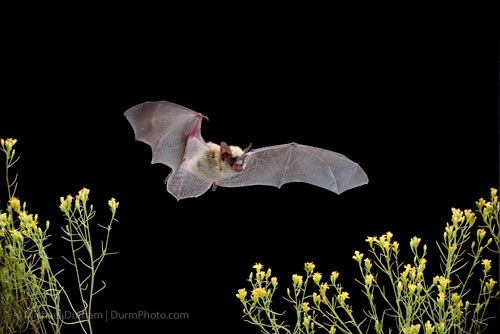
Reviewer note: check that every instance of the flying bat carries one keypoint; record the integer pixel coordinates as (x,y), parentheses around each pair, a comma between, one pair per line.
(174,134)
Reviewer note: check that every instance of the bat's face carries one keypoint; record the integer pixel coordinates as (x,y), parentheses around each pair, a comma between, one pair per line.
(234,156)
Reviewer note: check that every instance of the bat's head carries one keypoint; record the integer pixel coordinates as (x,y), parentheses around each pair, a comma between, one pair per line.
(234,156)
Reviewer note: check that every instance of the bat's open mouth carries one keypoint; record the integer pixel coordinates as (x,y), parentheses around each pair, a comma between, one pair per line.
(237,165)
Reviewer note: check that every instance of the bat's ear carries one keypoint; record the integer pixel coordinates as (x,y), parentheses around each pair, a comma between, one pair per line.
(225,151)
(247,149)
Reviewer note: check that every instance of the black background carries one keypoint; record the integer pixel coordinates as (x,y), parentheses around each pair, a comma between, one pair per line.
(414,102)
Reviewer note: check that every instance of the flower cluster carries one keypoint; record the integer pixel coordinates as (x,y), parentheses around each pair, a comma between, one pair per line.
(399,294)
(28,286)
(257,305)
(24,263)
(8,145)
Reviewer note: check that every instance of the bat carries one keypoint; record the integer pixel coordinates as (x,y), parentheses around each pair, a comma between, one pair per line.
(174,134)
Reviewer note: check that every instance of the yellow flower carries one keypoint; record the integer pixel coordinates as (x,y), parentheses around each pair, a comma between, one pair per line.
(455,298)
(23,219)
(334,276)
(412,287)
(65,205)
(490,284)
(470,217)
(16,235)
(368,264)
(480,203)
(493,192)
(457,216)
(441,297)
(15,204)
(443,283)
(479,306)
(274,281)
(395,246)
(322,289)
(369,279)
(414,242)
(408,269)
(77,202)
(309,266)
(305,307)
(332,330)
(297,280)
(487,265)
(3,219)
(480,233)
(450,230)
(422,264)
(370,241)
(317,278)
(113,205)
(242,293)
(258,293)
(343,296)
(11,142)
(33,224)
(487,208)
(316,298)
(268,273)
(414,329)
(389,236)
(429,329)
(84,195)
(357,256)
(8,144)
(257,267)
(307,321)
(259,276)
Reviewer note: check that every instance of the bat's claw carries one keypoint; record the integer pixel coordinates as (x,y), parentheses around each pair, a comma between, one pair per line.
(203,116)
(214,186)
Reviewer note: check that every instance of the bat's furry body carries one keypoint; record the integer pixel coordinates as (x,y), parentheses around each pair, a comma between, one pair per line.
(174,134)
(208,164)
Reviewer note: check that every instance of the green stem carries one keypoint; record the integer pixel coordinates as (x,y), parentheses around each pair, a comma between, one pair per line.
(86,239)
(7,175)
(75,262)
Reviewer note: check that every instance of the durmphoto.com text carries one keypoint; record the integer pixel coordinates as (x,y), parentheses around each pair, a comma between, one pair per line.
(111,315)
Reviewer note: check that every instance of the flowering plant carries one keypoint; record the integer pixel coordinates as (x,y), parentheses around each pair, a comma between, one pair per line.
(402,296)
(30,290)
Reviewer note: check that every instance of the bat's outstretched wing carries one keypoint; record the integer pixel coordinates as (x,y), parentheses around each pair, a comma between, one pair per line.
(182,182)
(165,126)
(280,164)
